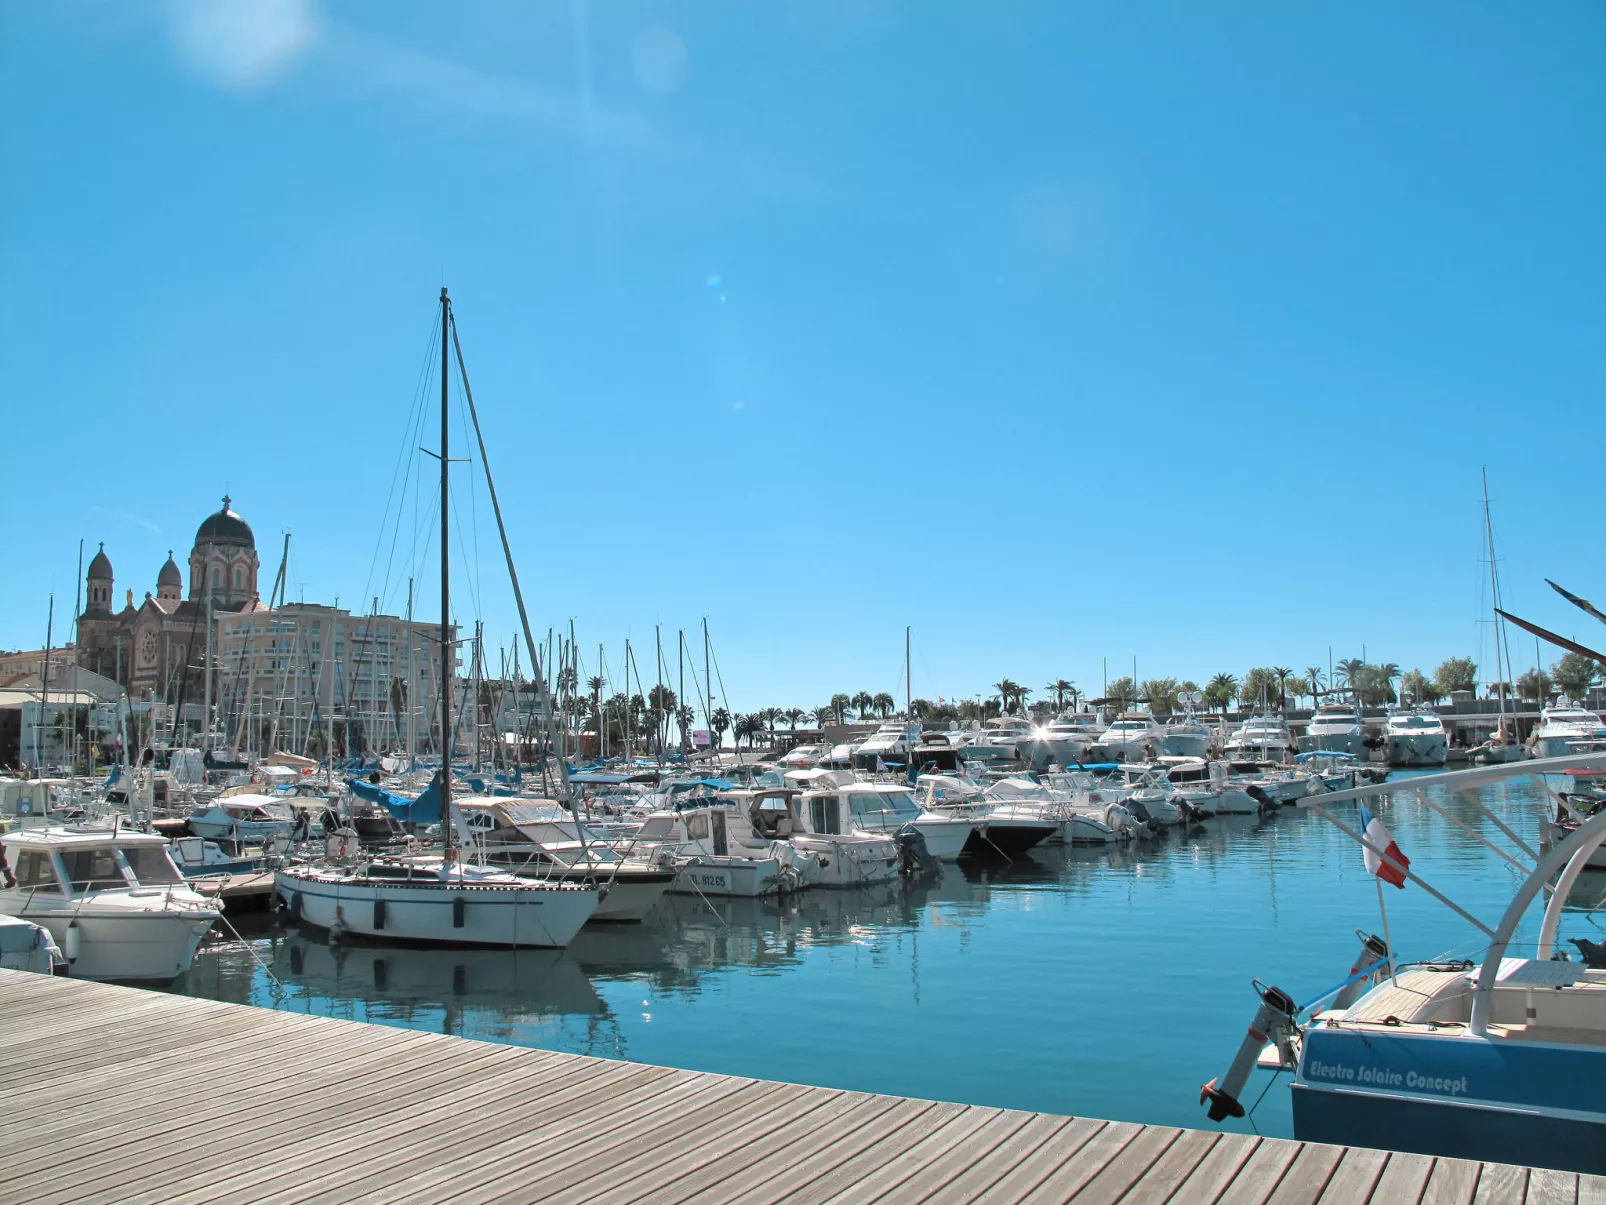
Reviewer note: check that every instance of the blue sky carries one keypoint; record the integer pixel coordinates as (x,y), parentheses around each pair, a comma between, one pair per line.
(1060,332)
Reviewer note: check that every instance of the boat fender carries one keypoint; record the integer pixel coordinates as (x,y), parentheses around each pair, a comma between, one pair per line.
(295,905)
(459,909)
(73,942)
(379,915)
(25,807)
(1274,1022)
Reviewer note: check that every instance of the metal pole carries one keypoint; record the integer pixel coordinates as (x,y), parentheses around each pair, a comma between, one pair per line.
(446,595)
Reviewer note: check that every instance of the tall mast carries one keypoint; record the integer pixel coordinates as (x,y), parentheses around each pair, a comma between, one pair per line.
(680,697)
(446,597)
(908,700)
(1494,603)
(708,681)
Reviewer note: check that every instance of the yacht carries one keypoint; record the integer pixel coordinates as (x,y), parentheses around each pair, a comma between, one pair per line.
(112,900)
(1416,738)
(244,817)
(540,839)
(1335,728)
(1134,736)
(1001,739)
(888,809)
(1188,737)
(1260,737)
(888,743)
(1086,812)
(1566,728)
(1065,741)
(1003,824)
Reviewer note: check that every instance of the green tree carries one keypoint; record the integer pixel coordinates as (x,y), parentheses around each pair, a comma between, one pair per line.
(720,722)
(1009,692)
(1160,692)
(1220,691)
(1349,672)
(839,706)
(1457,673)
(1574,674)
(1282,673)
(1123,691)
(1534,684)
(1418,688)
(1259,687)
(793,716)
(1059,688)
(748,726)
(863,702)
(1315,680)
(883,704)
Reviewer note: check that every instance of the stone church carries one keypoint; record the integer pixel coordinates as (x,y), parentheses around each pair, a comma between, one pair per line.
(159,646)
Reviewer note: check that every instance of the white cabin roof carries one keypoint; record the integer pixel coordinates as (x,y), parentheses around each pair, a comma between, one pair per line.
(77,838)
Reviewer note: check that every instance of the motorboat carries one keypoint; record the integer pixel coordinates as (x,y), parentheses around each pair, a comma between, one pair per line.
(717,851)
(1188,737)
(1002,825)
(802,756)
(890,809)
(1132,736)
(887,744)
(111,899)
(1565,728)
(819,823)
(1498,1059)
(1000,739)
(1086,811)
(25,946)
(1416,737)
(1335,728)
(1263,737)
(540,839)
(244,817)
(1064,741)
(435,900)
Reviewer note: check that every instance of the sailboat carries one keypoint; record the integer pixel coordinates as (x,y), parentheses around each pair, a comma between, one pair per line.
(1503,746)
(437,899)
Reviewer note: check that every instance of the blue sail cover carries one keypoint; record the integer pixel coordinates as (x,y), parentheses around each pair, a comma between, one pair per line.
(426,809)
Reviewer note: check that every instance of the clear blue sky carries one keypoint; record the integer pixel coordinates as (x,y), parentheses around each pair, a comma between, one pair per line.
(1058,331)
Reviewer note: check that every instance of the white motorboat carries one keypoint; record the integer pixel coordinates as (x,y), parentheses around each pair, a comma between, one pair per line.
(1133,736)
(537,838)
(111,899)
(1188,737)
(433,900)
(820,824)
(1416,738)
(887,744)
(1064,741)
(1565,728)
(1087,812)
(889,809)
(717,851)
(242,818)
(1335,728)
(1260,737)
(1000,739)
(1005,823)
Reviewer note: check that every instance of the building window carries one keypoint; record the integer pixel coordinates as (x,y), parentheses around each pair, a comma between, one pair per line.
(239,578)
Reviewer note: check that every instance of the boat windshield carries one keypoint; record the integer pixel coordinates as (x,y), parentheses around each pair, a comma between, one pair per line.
(151,865)
(93,869)
(886,806)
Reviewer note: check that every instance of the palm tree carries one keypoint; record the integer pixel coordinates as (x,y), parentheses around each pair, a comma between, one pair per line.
(840,704)
(793,716)
(1317,680)
(720,722)
(1059,688)
(1283,673)
(883,703)
(1074,695)
(863,702)
(1009,691)
(1220,691)
(1349,671)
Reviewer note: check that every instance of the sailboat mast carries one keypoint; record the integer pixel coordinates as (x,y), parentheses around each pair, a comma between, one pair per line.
(446,596)
(908,690)
(708,682)
(1494,602)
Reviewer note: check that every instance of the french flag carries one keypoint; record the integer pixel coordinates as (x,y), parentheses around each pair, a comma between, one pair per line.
(1377,834)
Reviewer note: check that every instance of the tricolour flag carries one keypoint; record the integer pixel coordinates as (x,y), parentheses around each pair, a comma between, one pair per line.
(1378,837)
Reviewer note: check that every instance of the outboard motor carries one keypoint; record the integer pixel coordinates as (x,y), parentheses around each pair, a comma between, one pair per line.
(1264,801)
(1374,953)
(913,856)
(1274,1022)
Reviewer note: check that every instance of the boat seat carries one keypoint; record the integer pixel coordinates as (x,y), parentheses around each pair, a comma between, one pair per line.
(783,827)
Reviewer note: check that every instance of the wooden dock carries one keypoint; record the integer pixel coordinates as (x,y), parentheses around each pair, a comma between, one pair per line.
(120,1095)
(247,891)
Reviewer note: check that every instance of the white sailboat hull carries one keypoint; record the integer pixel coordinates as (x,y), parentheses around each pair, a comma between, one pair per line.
(541,915)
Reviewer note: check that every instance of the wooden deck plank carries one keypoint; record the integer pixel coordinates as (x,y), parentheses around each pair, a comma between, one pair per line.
(964,1138)
(1064,1181)
(743,1145)
(354,1148)
(1549,1187)
(1307,1177)
(1258,1178)
(1404,1178)
(1501,1184)
(139,1085)
(862,1116)
(1118,1176)
(1356,1176)
(1002,1133)
(1168,1173)
(1451,1183)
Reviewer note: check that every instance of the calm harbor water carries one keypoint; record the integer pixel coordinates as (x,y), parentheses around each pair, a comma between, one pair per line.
(1109,983)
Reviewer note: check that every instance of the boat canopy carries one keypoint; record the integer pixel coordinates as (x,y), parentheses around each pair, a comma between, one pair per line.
(426,809)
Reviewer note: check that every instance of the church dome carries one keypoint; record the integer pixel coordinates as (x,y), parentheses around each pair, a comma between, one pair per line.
(170,575)
(226,527)
(101,566)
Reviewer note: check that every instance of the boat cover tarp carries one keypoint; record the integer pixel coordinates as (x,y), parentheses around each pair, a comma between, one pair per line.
(1338,754)
(426,809)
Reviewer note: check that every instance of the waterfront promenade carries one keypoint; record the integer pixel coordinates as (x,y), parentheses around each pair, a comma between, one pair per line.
(121,1095)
